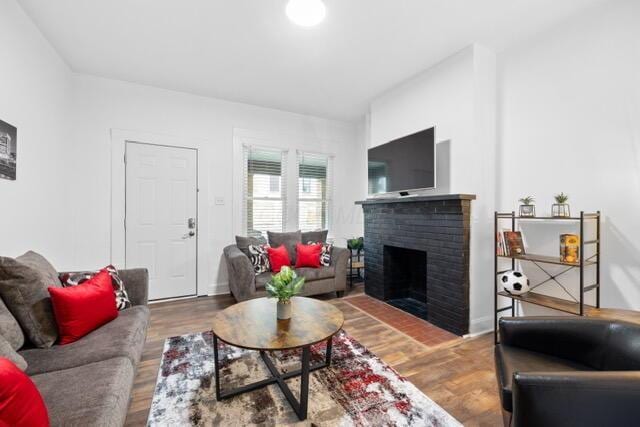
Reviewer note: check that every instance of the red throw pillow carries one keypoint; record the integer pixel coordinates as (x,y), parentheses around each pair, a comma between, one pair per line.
(308,255)
(81,309)
(278,258)
(21,404)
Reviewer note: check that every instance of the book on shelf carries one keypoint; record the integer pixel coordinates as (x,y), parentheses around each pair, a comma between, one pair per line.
(515,245)
(510,243)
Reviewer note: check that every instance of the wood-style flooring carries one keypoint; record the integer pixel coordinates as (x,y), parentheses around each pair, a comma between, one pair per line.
(457,374)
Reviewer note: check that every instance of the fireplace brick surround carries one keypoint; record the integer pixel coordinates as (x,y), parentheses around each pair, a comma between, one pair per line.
(439,226)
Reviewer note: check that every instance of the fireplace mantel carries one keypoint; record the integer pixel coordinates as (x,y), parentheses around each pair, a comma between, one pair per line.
(413,199)
(438,225)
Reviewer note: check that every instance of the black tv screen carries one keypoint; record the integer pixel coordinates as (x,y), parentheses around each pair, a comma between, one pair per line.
(404,164)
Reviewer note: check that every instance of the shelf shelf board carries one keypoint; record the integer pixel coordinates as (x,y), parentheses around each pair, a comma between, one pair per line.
(587,216)
(546,259)
(574,307)
(548,301)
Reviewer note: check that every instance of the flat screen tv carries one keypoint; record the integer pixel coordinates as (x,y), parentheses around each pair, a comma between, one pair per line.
(403,165)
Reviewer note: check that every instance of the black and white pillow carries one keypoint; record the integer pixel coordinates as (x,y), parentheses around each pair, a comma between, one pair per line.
(259,257)
(75,279)
(325,255)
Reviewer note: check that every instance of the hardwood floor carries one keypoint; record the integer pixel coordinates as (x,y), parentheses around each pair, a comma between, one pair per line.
(457,374)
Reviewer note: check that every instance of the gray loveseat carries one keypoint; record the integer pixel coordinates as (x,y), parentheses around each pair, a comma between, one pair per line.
(244,284)
(89,382)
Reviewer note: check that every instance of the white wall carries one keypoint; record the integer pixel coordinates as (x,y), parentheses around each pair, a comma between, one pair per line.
(457,96)
(204,123)
(570,121)
(34,89)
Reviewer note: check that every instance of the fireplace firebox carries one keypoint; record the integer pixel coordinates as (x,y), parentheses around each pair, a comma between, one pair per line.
(405,276)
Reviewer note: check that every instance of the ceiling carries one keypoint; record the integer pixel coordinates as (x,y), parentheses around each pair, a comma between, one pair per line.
(248,51)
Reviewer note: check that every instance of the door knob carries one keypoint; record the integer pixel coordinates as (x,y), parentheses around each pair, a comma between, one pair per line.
(189,235)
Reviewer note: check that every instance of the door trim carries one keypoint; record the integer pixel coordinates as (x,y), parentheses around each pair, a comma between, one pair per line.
(119,139)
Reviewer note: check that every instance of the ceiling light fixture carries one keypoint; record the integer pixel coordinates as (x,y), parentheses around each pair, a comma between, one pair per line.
(306,13)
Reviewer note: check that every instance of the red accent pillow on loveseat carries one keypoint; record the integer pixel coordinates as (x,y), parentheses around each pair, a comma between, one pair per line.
(81,309)
(308,255)
(21,404)
(278,258)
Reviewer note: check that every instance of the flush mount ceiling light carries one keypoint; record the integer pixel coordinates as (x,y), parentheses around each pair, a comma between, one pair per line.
(306,13)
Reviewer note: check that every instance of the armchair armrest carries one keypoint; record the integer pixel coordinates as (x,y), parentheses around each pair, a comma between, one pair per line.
(576,398)
(340,260)
(579,339)
(242,279)
(136,283)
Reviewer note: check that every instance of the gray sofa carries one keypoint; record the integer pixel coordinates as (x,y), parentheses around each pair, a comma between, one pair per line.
(89,382)
(244,284)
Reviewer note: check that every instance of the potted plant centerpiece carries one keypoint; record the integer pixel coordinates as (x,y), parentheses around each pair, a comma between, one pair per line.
(560,209)
(527,208)
(284,285)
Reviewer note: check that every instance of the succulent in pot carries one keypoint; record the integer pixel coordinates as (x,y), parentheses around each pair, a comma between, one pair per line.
(560,209)
(527,208)
(284,285)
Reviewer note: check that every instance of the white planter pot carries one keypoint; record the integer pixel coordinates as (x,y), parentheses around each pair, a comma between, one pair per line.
(284,310)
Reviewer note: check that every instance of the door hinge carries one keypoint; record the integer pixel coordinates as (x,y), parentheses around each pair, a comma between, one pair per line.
(125,223)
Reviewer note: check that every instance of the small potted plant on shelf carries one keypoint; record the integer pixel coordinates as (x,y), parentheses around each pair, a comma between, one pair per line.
(527,208)
(355,244)
(284,285)
(560,209)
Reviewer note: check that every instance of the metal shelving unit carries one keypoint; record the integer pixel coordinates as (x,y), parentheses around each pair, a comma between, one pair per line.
(531,297)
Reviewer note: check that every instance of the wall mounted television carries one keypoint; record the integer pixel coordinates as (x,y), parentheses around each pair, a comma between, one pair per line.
(403,165)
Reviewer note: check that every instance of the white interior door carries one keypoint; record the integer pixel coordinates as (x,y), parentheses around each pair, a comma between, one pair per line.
(161,217)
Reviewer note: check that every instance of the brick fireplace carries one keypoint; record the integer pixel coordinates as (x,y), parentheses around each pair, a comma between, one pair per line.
(417,256)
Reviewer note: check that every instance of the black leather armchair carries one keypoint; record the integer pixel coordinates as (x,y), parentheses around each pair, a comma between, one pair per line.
(568,371)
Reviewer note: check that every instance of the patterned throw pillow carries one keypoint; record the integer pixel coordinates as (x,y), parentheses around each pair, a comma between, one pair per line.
(259,257)
(325,255)
(75,279)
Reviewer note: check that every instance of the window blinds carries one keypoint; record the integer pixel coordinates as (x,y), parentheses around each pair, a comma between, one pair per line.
(314,190)
(264,190)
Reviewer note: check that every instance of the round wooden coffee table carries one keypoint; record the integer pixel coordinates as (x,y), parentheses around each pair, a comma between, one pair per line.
(253,325)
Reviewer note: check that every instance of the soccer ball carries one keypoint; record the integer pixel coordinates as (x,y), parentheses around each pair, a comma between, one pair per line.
(514,282)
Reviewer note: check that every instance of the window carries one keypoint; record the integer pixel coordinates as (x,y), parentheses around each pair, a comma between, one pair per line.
(264,190)
(314,191)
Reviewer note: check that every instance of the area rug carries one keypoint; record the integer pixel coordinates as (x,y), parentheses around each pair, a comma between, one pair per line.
(358,389)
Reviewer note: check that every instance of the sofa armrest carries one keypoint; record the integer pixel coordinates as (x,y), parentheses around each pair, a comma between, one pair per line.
(340,260)
(136,283)
(242,278)
(574,338)
(576,398)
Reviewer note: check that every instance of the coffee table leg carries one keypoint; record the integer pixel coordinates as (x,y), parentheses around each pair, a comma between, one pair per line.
(304,383)
(216,365)
(328,354)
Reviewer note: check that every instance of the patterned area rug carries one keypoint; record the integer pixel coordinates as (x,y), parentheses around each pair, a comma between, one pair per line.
(358,389)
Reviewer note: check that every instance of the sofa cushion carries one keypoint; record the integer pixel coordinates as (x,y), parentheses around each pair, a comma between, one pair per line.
(20,401)
(313,274)
(96,394)
(288,239)
(23,287)
(278,258)
(122,337)
(9,328)
(262,279)
(8,352)
(82,309)
(243,243)
(319,236)
(119,291)
(510,360)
